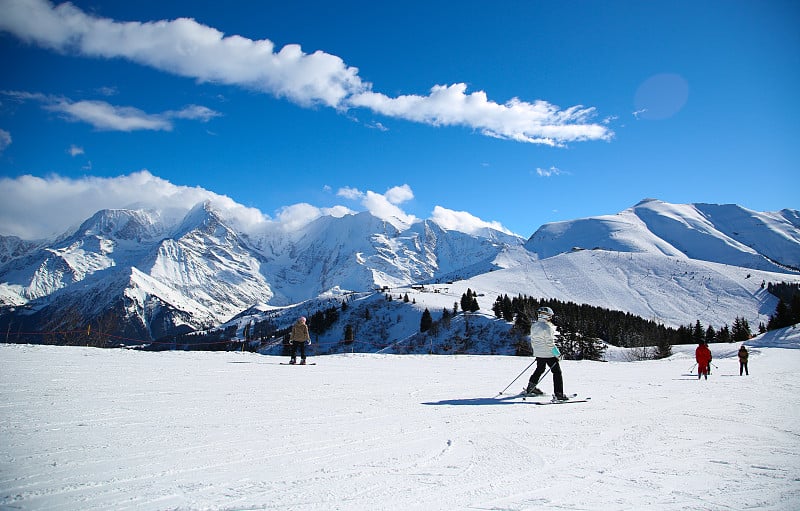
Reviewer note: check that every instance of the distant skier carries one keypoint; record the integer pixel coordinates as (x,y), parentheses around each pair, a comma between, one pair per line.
(703,356)
(299,337)
(743,356)
(543,337)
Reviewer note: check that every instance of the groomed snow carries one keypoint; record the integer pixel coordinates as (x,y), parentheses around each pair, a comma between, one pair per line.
(91,429)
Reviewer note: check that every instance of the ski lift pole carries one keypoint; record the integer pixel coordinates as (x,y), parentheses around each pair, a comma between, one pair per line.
(517,378)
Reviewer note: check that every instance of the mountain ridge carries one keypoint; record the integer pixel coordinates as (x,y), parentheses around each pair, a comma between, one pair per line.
(162,275)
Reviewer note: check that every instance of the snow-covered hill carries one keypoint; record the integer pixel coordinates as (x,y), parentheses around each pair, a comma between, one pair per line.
(157,274)
(727,234)
(88,429)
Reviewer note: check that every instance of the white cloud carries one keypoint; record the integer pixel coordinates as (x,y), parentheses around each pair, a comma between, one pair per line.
(463,221)
(399,194)
(47,207)
(380,206)
(193,113)
(43,207)
(552,171)
(350,193)
(383,206)
(75,150)
(297,215)
(538,123)
(105,116)
(188,48)
(5,140)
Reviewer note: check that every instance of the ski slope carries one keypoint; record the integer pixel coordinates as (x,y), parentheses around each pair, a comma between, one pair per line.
(91,429)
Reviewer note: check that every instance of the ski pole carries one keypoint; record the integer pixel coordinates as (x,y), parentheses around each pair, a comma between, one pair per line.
(692,368)
(517,378)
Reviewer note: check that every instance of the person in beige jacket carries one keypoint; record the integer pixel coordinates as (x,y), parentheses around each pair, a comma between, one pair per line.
(299,338)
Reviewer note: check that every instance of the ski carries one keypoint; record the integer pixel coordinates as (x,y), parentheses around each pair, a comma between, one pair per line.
(524,396)
(306,364)
(556,402)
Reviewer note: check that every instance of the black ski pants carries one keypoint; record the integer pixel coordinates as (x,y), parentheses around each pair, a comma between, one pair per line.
(555,368)
(302,346)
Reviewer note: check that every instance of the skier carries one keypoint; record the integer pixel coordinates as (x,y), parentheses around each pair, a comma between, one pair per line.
(743,356)
(299,337)
(542,337)
(703,356)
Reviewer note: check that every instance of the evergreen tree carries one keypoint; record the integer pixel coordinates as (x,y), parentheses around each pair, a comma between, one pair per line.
(349,336)
(508,309)
(663,348)
(466,301)
(426,321)
(522,323)
(781,318)
(711,334)
(497,307)
(724,334)
(473,304)
(698,335)
(520,332)
(446,317)
(741,330)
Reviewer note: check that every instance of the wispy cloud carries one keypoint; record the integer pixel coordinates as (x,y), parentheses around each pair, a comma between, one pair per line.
(75,150)
(107,117)
(107,91)
(187,48)
(5,140)
(552,171)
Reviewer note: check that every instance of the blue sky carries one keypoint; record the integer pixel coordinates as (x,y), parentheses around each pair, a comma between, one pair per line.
(512,113)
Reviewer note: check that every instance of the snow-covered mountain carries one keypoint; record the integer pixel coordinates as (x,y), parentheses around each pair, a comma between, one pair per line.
(161,277)
(153,275)
(727,234)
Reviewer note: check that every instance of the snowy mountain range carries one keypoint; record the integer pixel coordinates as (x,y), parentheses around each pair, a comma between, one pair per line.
(145,274)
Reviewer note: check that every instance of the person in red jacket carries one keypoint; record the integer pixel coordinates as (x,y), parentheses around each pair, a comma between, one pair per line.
(703,356)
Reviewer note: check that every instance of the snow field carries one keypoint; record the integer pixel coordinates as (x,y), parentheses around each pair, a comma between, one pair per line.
(86,429)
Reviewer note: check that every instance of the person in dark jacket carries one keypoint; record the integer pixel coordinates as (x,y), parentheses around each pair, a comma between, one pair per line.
(298,338)
(703,356)
(743,356)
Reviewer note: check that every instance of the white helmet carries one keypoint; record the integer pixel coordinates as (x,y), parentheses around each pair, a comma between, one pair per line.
(545,313)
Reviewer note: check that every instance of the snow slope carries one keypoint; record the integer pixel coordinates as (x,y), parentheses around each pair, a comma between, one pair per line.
(728,234)
(90,429)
